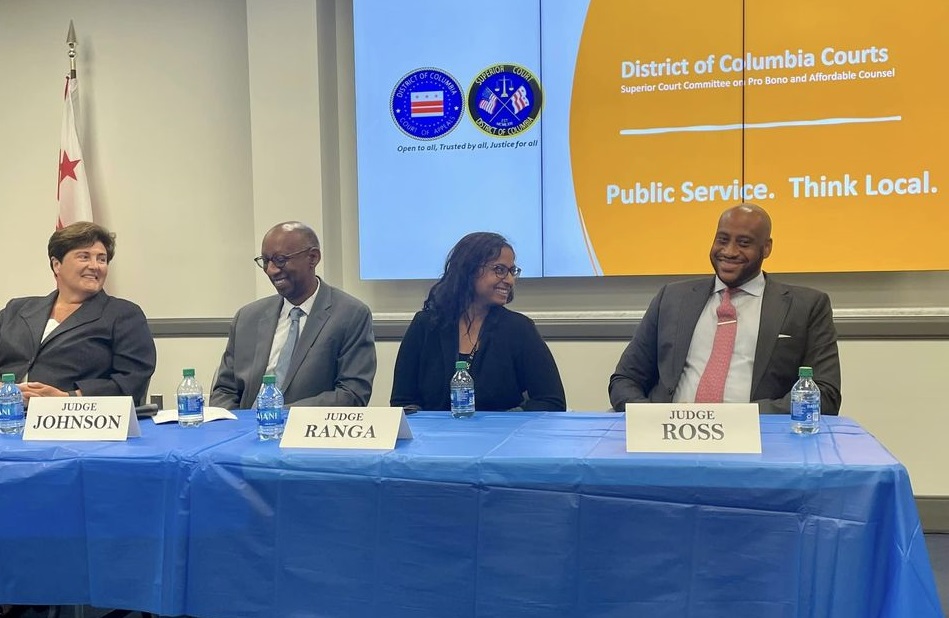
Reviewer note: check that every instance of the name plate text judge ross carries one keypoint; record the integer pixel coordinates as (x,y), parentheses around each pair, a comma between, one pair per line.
(81,418)
(346,428)
(692,428)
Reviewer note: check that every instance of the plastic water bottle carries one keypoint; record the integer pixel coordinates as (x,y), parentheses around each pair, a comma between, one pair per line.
(462,392)
(190,400)
(12,419)
(805,403)
(269,410)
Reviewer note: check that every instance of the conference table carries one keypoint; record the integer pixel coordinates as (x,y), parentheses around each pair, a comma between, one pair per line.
(503,514)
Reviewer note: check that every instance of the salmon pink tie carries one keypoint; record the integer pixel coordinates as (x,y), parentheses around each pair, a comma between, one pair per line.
(711,387)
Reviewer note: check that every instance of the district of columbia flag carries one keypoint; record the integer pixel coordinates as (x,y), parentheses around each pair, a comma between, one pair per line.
(519,99)
(72,190)
(430,103)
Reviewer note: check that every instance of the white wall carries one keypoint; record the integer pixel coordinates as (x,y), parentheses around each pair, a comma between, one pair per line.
(285,117)
(207,121)
(166,128)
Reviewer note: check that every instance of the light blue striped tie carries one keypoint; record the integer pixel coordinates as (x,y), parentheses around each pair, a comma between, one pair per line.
(283,361)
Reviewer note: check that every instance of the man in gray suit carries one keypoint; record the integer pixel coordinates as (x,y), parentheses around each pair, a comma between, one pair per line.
(779,328)
(315,338)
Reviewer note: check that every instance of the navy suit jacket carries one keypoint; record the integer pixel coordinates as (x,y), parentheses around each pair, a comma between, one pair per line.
(104,348)
(796,329)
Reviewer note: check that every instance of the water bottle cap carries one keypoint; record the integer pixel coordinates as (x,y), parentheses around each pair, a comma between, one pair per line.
(187,373)
(270,379)
(461,365)
(805,372)
(8,378)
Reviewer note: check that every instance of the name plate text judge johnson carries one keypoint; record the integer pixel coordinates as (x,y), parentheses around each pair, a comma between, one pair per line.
(81,418)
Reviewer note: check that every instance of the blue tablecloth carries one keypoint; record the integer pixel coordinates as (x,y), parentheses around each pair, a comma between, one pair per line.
(518,514)
(101,523)
(504,514)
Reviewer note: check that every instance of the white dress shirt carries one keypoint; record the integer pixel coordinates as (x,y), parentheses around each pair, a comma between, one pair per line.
(747,302)
(51,325)
(283,327)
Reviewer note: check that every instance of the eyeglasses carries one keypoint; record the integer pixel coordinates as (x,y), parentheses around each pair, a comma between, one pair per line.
(501,270)
(278,260)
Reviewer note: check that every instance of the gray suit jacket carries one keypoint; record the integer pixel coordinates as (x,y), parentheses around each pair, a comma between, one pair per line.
(651,365)
(104,348)
(333,363)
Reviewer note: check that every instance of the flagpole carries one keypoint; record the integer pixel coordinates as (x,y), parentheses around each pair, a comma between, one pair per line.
(72,189)
(71,42)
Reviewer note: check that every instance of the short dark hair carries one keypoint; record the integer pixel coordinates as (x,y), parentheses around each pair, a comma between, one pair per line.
(454,291)
(79,236)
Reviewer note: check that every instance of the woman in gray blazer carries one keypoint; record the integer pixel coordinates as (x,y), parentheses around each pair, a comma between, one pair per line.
(77,340)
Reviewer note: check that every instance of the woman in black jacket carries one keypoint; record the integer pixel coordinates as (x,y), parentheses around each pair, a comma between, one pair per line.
(464,318)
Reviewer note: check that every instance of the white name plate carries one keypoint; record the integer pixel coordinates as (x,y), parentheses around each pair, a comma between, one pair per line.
(692,428)
(81,418)
(354,428)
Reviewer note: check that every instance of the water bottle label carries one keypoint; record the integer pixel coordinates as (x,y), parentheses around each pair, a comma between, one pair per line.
(190,405)
(11,411)
(804,411)
(462,397)
(270,416)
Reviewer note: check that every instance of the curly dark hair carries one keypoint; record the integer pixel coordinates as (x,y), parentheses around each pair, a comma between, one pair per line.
(451,295)
(79,236)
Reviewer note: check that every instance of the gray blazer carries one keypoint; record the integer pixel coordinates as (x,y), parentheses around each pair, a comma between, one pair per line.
(104,348)
(333,363)
(651,365)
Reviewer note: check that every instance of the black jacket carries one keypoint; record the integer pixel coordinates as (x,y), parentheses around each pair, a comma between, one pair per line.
(512,368)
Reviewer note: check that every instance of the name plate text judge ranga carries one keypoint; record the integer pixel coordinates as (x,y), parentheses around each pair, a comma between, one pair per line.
(345,428)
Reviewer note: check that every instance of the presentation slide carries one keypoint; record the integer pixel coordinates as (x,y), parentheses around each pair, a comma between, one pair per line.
(448,131)
(604,137)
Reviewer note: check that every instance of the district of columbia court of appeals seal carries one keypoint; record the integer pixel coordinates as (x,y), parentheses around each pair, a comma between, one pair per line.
(427,103)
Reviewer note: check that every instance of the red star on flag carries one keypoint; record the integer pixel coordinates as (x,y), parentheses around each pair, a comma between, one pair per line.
(67,168)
